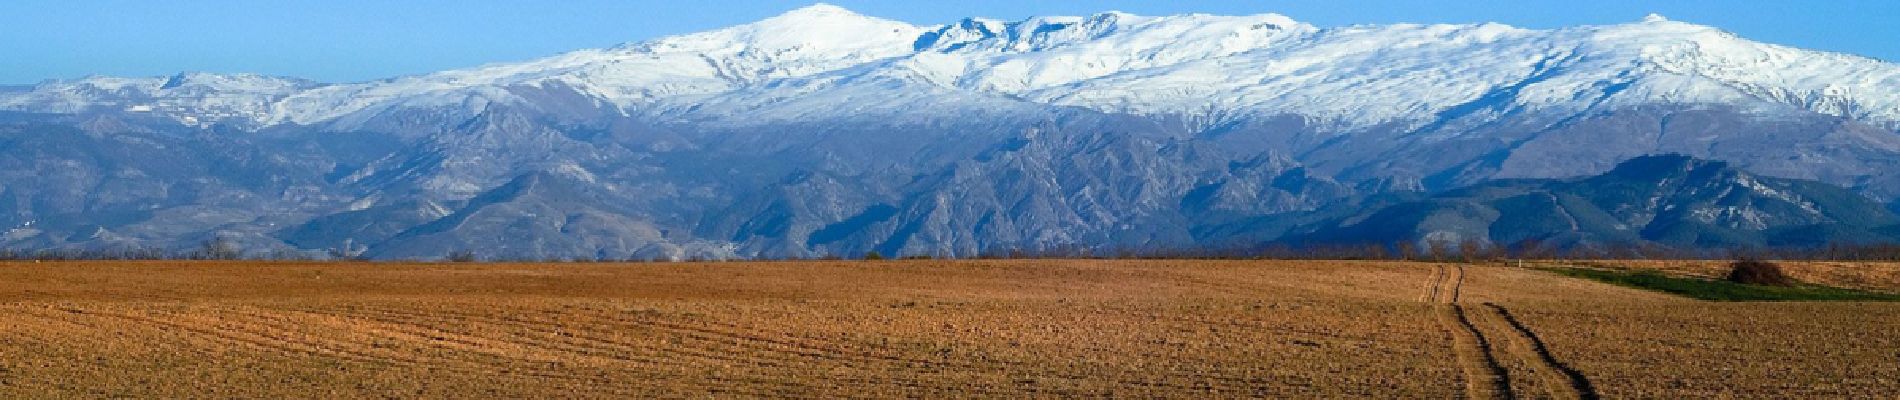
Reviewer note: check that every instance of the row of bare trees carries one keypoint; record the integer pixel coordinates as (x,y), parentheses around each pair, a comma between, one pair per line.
(1442,251)
(214,249)
(1468,251)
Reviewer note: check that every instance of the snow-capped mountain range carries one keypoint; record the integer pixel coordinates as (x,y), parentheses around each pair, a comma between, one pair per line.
(838,115)
(1212,68)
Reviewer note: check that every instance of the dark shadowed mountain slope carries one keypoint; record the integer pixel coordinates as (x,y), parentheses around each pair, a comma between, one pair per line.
(1671,200)
(538,215)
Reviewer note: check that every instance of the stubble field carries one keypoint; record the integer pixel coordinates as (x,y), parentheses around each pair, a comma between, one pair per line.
(910,329)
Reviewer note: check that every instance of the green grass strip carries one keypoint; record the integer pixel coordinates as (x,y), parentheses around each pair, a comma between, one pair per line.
(1717,290)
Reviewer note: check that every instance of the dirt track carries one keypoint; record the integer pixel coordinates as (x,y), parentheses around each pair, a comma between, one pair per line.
(1501,357)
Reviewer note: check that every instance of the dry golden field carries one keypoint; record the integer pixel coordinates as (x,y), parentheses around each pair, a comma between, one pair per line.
(1085,328)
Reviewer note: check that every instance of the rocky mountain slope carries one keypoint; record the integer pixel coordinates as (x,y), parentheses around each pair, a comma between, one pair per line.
(1668,200)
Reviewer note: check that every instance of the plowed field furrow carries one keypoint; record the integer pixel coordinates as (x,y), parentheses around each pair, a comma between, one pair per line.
(182,342)
(713,352)
(247,335)
(543,326)
(1229,289)
(828,350)
(551,345)
(464,352)
(710,330)
(346,337)
(1261,325)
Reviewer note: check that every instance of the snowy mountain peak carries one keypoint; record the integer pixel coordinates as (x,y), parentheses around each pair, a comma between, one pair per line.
(812,39)
(1654,18)
(819,11)
(1113,27)
(819,27)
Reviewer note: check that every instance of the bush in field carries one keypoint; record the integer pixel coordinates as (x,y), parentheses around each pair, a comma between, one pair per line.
(1758,272)
(873,256)
(219,248)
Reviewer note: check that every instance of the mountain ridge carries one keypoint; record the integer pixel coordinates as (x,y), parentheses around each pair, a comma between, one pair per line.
(825,132)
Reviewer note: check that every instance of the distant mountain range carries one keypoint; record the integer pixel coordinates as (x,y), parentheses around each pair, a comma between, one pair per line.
(824,132)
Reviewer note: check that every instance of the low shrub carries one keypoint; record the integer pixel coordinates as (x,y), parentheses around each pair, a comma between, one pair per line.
(1758,272)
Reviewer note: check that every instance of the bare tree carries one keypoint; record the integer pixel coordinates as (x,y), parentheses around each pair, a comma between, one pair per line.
(348,250)
(1471,250)
(1407,250)
(220,248)
(1438,250)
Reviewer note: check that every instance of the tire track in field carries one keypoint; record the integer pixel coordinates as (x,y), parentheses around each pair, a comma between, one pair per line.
(1431,290)
(1481,355)
(1485,378)
(1558,379)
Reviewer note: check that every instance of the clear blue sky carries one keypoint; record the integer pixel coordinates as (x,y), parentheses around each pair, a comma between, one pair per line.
(355,40)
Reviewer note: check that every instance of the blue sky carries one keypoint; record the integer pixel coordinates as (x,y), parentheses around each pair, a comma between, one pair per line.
(354,40)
